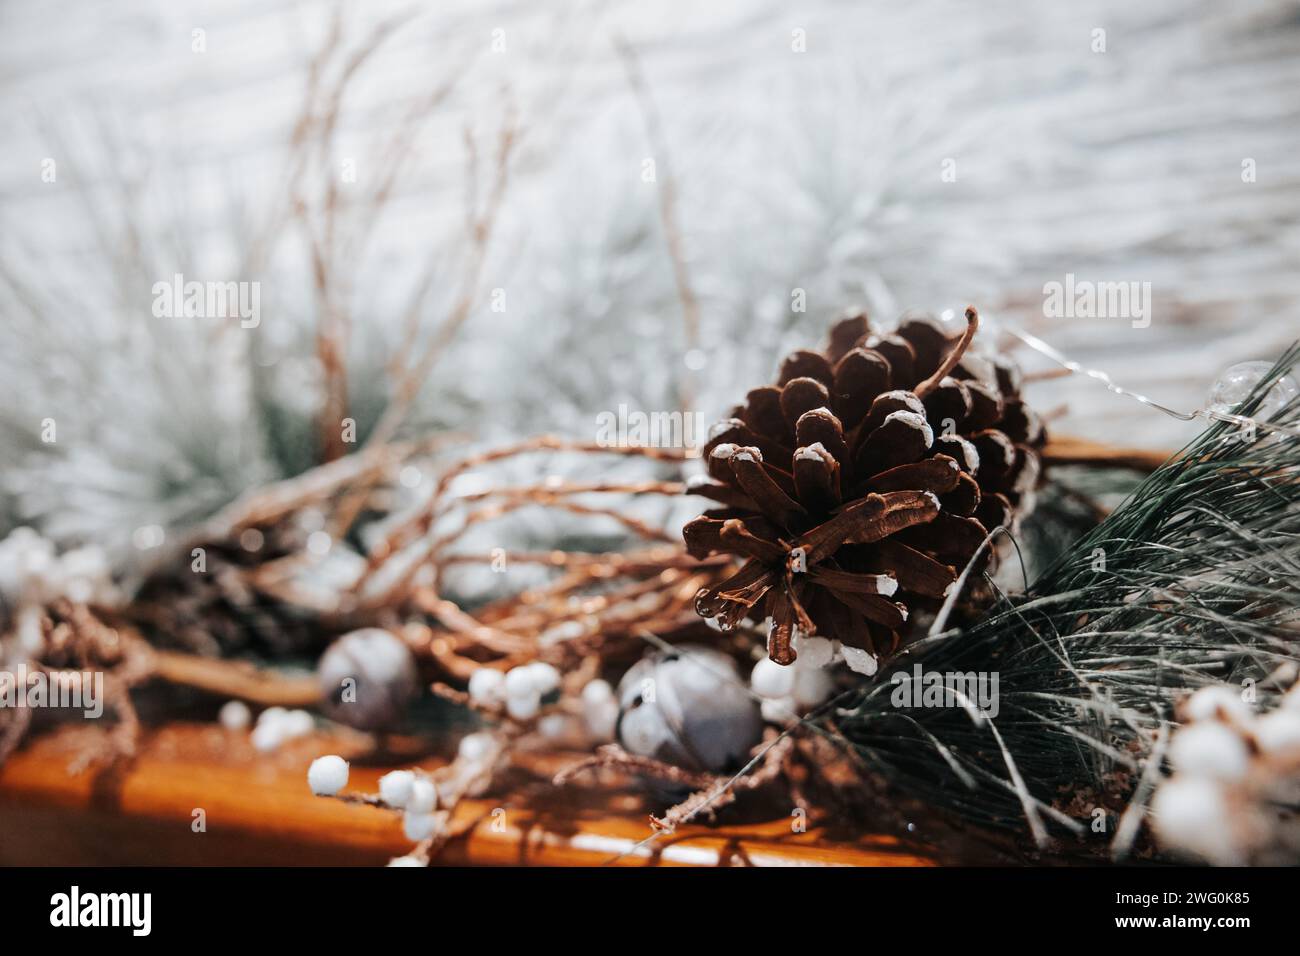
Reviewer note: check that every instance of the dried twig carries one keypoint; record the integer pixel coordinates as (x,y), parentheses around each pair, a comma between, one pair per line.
(234,679)
(1065,450)
(614,757)
(667,204)
(414,376)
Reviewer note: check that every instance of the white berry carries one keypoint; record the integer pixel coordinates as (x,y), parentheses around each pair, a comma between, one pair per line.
(1190,813)
(395,788)
(778,710)
(423,797)
(297,723)
(771,680)
(418,826)
(544,677)
(1279,732)
(519,682)
(474,746)
(327,775)
(235,715)
(601,717)
(1209,750)
(272,715)
(486,686)
(267,736)
(555,726)
(597,691)
(1212,703)
(524,706)
(812,685)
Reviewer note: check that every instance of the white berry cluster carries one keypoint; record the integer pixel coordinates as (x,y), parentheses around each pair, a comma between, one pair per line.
(519,690)
(789,691)
(1234,772)
(33,574)
(416,796)
(277,726)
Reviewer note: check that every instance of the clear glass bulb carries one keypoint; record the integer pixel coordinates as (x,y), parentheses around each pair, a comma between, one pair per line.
(1236,383)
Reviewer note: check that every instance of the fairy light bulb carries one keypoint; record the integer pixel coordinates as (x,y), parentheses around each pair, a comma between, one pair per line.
(1237,383)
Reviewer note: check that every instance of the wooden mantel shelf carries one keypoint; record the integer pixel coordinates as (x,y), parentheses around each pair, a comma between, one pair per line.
(258,811)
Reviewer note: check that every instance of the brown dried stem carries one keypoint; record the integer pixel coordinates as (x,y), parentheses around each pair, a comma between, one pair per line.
(481,228)
(234,679)
(954,355)
(667,206)
(1067,450)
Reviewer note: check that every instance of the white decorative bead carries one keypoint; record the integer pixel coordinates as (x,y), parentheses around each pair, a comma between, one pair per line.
(474,746)
(327,775)
(779,710)
(395,788)
(1279,732)
(235,715)
(519,682)
(524,706)
(601,718)
(267,736)
(487,686)
(272,715)
(1191,814)
(418,826)
(597,691)
(297,723)
(1210,750)
(423,797)
(771,680)
(544,677)
(1210,703)
(812,685)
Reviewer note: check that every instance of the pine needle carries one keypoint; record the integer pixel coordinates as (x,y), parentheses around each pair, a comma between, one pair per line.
(1191,580)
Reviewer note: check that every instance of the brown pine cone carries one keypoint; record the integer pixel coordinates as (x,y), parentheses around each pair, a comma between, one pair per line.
(860,486)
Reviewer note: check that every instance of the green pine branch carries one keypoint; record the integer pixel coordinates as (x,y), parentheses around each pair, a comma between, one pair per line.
(1194,579)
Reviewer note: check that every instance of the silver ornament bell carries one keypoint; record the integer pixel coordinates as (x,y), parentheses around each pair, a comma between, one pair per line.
(367,679)
(688,707)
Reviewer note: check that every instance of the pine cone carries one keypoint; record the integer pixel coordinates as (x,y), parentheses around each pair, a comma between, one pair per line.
(860,486)
(217,612)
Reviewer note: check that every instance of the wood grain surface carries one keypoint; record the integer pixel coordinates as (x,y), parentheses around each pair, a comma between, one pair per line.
(259,811)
